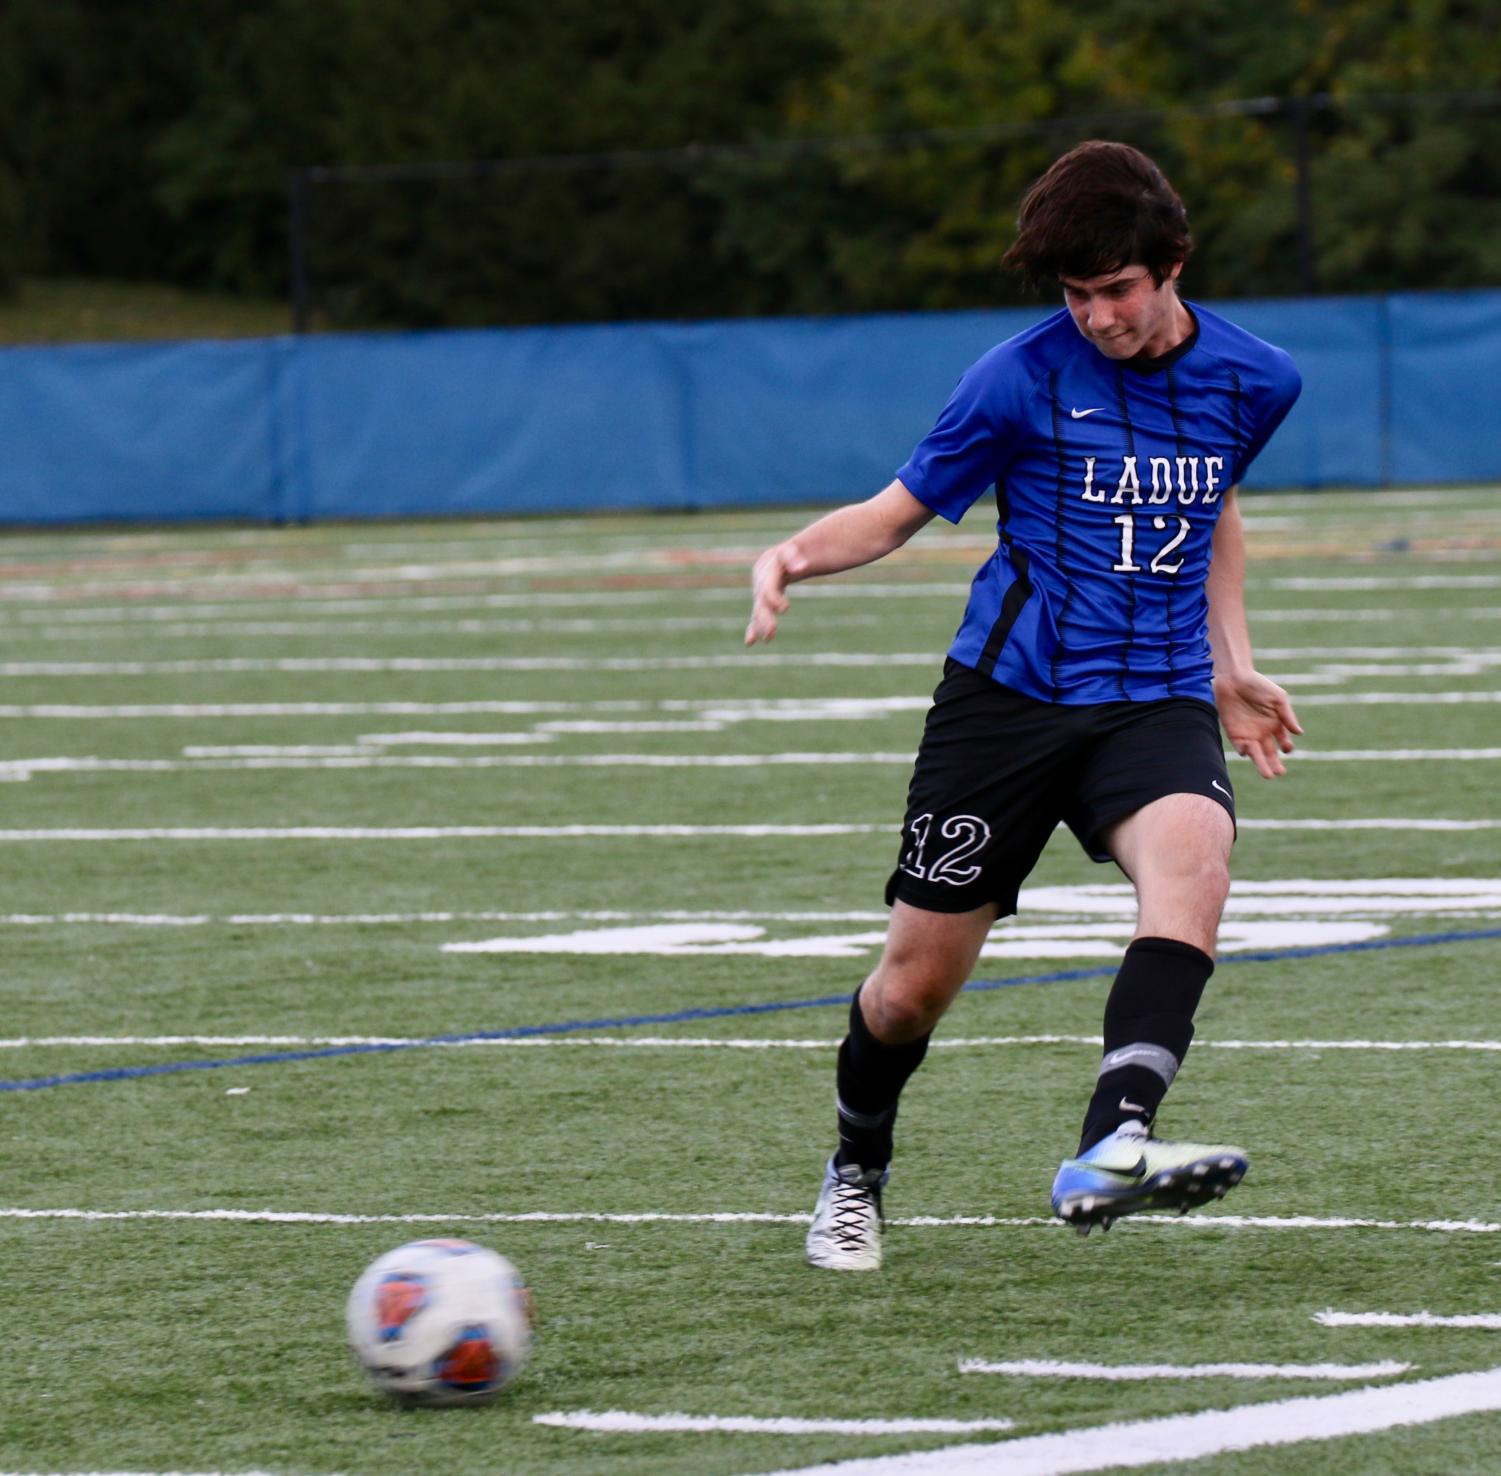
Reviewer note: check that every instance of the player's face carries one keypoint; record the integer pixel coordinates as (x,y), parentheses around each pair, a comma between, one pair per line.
(1127,313)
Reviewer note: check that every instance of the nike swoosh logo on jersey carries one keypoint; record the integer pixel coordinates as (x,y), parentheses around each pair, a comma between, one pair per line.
(1080,414)
(1223,790)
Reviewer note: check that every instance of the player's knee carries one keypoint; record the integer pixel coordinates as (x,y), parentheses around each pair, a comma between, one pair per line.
(1191,871)
(899,1015)
(908,993)
(1212,878)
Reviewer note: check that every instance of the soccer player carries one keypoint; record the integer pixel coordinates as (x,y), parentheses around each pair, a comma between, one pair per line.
(1101,640)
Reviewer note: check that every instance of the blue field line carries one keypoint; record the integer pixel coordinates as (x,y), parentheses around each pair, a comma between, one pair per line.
(678,1017)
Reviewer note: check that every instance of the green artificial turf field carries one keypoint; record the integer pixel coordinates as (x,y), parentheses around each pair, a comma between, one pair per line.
(263,782)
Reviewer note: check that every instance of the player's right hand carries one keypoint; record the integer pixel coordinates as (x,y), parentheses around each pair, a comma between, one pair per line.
(773,572)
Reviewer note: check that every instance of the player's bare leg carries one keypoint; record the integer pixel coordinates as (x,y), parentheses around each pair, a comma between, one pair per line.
(1176,852)
(927,958)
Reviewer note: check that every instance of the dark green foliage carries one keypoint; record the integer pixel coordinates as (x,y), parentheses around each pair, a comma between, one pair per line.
(156,139)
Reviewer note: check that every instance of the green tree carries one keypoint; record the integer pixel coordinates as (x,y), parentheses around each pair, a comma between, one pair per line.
(1403,192)
(361,82)
(92,84)
(155,139)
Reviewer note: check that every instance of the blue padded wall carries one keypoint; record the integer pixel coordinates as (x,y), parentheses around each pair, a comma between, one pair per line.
(163,431)
(658,415)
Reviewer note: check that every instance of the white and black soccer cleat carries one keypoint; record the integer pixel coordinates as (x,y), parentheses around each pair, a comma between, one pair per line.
(846,1231)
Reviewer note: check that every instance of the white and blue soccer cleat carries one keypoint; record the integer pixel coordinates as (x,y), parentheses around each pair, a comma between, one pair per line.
(1131,1171)
(846,1231)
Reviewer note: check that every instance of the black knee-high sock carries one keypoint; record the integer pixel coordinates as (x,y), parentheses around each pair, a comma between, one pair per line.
(1148,1027)
(870,1078)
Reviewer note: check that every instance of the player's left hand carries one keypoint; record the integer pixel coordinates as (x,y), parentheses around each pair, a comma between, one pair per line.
(1258,719)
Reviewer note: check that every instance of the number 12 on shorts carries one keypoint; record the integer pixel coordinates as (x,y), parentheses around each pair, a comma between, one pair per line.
(971,835)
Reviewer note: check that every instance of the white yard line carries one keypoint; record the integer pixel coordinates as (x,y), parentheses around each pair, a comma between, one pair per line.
(1325,583)
(1044,1368)
(661,561)
(726,709)
(431,832)
(322,611)
(388,664)
(356,759)
(1391,755)
(712,709)
(1490,1320)
(624,1422)
(707,1043)
(280,629)
(727,1217)
(1414,823)
(1193,1437)
(365,919)
(385,665)
(1394,699)
(378,760)
(113,712)
(578,832)
(321,603)
(1446,896)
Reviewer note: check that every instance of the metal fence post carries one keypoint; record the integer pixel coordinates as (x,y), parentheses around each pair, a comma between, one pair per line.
(1308,270)
(297,213)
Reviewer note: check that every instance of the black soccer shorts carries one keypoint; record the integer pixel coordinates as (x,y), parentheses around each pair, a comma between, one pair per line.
(997,771)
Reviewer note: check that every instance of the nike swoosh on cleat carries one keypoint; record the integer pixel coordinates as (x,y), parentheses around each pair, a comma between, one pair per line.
(1080,414)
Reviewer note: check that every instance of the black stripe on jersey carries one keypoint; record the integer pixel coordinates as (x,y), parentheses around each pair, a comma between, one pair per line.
(1235,399)
(1058,538)
(1011,606)
(1125,666)
(1172,406)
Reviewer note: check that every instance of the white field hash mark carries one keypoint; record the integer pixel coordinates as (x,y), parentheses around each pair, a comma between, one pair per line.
(749,1217)
(1071,922)
(624,1422)
(1489,1320)
(1178,1438)
(1044,1368)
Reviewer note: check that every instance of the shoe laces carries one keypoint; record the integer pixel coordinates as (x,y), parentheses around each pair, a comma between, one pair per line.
(853,1207)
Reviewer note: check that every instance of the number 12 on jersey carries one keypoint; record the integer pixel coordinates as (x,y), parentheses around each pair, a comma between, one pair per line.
(1127,562)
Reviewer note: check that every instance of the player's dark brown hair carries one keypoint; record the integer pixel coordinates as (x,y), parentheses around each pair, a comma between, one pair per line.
(1101,207)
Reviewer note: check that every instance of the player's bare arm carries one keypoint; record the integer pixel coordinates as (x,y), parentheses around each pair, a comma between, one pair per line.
(1255,712)
(851,536)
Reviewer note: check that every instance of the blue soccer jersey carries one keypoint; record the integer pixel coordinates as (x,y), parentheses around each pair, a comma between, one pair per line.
(1109,477)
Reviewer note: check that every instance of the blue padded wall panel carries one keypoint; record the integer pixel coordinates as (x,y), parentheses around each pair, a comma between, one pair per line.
(823,409)
(133,432)
(1446,386)
(526,420)
(659,415)
(1334,434)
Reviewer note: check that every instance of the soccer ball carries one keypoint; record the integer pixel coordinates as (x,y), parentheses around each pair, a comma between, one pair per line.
(440,1322)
